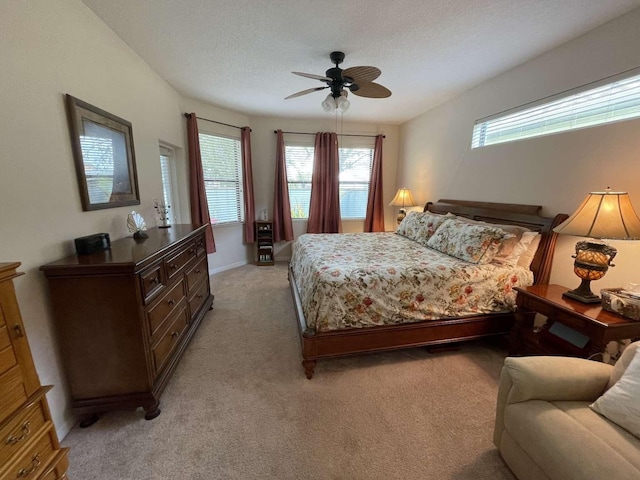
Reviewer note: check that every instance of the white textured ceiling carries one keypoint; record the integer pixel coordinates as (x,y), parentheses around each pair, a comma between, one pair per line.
(239,54)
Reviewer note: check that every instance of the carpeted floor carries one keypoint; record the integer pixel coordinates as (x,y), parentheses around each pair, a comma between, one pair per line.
(240,407)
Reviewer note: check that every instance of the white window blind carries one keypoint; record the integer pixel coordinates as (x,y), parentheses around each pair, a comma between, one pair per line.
(355,176)
(97,155)
(610,100)
(166,157)
(222,168)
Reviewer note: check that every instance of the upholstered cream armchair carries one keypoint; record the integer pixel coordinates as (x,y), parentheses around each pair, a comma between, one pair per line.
(545,428)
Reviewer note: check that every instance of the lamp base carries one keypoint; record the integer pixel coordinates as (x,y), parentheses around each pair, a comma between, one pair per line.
(583,293)
(401,214)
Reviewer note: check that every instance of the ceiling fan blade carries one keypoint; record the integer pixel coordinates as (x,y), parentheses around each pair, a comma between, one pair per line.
(304,92)
(315,77)
(362,74)
(372,90)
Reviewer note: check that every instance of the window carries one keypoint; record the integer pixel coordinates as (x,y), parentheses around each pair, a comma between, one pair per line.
(299,163)
(166,167)
(609,100)
(222,168)
(355,176)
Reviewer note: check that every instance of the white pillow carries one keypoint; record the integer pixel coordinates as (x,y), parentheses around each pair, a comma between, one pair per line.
(621,403)
(526,258)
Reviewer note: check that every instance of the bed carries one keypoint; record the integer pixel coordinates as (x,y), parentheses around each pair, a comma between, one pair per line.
(333,279)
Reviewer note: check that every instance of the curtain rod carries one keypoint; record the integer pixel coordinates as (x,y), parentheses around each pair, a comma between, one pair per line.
(214,121)
(339,134)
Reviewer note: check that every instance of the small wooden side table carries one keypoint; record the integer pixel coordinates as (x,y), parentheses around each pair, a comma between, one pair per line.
(573,328)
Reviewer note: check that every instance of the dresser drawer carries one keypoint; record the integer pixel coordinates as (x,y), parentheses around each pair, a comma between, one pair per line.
(20,430)
(35,459)
(198,296)
(201,245)
(162,351)
(197,273)
(58,468)
(152,282)
(7,355)
(171,302)
(14,390)
(177,262)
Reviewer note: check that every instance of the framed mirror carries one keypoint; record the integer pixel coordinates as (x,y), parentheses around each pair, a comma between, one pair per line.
(103,151)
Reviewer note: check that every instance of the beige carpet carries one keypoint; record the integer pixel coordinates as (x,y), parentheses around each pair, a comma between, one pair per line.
(240,407)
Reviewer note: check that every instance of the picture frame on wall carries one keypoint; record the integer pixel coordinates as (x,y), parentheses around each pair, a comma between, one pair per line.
(102,146)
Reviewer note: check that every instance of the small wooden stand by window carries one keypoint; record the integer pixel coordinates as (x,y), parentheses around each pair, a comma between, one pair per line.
(264,236)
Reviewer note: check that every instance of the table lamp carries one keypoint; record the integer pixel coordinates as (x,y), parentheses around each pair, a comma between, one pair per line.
(602,215)
(403,199)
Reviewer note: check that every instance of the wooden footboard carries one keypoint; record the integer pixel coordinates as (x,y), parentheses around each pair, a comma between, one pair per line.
(336,343)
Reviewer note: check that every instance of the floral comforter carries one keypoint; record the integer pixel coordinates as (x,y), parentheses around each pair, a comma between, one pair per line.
(356,280)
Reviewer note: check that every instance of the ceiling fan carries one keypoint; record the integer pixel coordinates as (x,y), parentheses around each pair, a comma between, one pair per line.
(357,80)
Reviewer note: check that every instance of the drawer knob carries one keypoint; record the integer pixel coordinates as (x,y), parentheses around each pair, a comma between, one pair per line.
(18,330)
(173,266)
(198,271)
(199,295)
(26,430)
(174,334)
(35,463)
(171,302)
(154,280)
(192,251)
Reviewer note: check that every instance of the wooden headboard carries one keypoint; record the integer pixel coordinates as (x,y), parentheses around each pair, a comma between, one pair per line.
(527,216)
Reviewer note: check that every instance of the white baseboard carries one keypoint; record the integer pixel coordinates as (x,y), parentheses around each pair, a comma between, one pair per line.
(213,271)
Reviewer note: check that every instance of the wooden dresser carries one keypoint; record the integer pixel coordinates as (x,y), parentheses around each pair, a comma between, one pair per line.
(124,316)
(29,446)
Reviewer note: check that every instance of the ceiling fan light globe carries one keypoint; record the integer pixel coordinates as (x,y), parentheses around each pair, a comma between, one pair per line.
(342,104)
(329,104)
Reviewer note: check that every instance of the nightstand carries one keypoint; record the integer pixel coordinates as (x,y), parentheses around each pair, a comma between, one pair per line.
(573,328)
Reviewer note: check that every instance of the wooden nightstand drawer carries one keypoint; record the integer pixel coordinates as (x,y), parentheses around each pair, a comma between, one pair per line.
(20,430)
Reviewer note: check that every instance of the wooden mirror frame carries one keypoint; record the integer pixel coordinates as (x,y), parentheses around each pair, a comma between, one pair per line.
(79,113)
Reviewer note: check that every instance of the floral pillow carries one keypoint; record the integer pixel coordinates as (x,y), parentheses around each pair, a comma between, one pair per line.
(472,243)
(420,226)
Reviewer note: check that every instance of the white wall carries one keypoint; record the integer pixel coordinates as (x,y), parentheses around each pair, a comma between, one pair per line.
(555,171)
(49,49)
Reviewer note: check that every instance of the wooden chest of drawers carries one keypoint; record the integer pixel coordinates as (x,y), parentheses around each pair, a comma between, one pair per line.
(124,317)
(29,446)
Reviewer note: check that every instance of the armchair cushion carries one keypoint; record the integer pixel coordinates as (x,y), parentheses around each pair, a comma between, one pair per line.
(555,378)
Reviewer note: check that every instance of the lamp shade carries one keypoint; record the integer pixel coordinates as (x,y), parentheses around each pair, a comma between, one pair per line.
(606,215)
(403,199)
